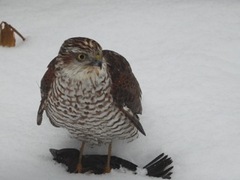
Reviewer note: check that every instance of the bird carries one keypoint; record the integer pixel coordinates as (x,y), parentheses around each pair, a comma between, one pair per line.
(92,93)
(158,167)
(92,163)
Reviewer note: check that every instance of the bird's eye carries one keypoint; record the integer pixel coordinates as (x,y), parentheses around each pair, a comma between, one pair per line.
(81,57)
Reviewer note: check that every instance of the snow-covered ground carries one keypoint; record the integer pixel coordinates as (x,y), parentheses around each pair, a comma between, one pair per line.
(186,56)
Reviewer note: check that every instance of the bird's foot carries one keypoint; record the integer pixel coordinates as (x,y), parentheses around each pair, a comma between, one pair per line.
(79,168)
(107,169)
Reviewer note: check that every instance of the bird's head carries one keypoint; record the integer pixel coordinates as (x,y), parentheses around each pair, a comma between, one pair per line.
(82,53)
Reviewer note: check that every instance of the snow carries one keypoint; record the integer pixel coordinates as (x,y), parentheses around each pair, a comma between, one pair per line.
(185,55)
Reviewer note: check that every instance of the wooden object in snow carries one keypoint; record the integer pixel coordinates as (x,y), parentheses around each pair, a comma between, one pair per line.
(7,36)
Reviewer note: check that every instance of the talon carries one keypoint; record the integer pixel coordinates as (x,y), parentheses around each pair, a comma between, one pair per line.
(107,169)
(79,168)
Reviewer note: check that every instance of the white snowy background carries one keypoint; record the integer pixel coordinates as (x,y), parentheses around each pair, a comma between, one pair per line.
(185,55)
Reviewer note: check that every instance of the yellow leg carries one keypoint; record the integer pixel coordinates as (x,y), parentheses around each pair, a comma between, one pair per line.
(79,167)
(108,167)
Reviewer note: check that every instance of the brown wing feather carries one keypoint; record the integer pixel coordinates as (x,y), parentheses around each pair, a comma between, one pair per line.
(46,82)
(125,87)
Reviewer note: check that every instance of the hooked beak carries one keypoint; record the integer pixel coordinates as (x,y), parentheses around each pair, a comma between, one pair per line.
(97,61)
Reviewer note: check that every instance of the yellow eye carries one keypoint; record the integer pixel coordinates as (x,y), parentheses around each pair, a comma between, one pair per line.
(81,56)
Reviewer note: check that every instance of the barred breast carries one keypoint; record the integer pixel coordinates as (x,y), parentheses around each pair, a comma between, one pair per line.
(85,107)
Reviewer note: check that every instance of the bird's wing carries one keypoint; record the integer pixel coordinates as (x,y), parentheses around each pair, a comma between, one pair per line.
(46,83)
(125,90)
